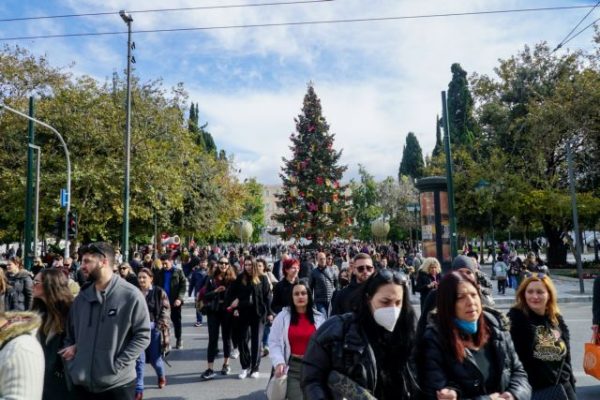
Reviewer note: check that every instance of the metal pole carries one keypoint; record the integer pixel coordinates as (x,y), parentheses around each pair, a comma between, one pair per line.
(449,174)
(36,218)
(67,156)
(595,246)
(27,249)
(575,218)
(125,242)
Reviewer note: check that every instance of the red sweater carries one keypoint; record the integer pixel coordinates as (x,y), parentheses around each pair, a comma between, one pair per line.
(300,334)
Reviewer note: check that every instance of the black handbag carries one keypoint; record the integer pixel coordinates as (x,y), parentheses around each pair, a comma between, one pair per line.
(555,392)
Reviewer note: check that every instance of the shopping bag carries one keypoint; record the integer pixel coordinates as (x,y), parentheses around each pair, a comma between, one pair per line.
(591,360)
(277,388)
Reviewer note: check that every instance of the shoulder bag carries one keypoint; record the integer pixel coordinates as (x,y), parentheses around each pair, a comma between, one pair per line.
(555,392)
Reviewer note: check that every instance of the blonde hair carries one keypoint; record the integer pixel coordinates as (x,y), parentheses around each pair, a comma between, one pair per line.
(552,310)
(428,263)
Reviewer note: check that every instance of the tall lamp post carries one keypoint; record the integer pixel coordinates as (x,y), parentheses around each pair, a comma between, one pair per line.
(449,178)
(67,156)
(125,245)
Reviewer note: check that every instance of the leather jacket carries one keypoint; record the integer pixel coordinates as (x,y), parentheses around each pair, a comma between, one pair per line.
(440,368)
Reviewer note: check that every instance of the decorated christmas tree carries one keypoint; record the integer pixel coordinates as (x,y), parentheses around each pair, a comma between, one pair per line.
(313,202)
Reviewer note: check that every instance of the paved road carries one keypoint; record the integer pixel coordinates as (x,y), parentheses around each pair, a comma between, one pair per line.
(187,365)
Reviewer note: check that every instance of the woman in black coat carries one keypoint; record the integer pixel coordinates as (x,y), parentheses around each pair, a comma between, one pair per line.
(467,352)
(249,298)
(428,278)
(541,336)
(369,348)
(20,280)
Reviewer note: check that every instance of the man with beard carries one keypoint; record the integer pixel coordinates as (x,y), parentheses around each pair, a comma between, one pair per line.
(108,329)
(361,268)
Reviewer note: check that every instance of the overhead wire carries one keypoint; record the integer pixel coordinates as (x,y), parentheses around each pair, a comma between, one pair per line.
(156,10)
(564,41)
(580,32)
(298,23)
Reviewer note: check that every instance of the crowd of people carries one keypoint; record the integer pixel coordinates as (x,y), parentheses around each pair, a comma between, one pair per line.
(335,323)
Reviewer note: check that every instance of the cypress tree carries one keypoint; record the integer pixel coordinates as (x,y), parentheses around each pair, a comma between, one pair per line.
(412,158)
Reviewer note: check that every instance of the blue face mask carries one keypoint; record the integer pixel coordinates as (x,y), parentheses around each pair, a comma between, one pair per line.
(469,327)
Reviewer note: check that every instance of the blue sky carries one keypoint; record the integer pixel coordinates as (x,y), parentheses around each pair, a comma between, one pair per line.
(377,80)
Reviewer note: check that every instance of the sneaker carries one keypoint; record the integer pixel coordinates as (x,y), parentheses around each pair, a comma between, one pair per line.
(179,344)
(255,375)
(265,351)
(197,324)
(226,369)
(235,354)
(208,374)
(243,374)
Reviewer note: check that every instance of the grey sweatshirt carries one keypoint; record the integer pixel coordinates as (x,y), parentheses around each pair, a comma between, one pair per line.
(111,329)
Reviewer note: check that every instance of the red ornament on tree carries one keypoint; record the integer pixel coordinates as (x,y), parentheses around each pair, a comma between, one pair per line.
(320,180)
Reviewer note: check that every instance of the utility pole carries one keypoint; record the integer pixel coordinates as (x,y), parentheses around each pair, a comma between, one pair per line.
(125,241)
(449,174)
(575,218)
(29,246)
(36,219)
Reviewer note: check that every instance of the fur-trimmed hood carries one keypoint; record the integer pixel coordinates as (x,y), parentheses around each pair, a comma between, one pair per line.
(19,323)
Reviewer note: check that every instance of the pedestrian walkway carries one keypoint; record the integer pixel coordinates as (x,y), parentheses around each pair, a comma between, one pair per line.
(567,289)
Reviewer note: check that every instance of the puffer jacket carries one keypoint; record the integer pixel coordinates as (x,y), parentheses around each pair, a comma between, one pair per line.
(341,344)
(440,368)
(23,286)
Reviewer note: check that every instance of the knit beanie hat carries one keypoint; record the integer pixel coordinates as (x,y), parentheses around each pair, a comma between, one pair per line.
(463,262)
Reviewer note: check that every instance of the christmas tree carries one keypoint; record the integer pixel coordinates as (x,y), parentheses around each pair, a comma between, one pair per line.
(313,202)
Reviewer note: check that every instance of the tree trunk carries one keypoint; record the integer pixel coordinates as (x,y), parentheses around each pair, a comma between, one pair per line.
(557,250)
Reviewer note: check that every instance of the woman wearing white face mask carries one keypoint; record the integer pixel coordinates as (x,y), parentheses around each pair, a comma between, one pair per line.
(369,348)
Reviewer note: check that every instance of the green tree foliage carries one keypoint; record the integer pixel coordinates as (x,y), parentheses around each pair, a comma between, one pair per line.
(365,208)
(463,128)
(202,137)
(439,146)
(313,200)
(412,164)
(190,190)
(254,207)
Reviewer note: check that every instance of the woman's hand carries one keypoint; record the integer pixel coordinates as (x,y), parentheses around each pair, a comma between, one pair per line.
(235,303)
(279,370)
(220,289)
(446,394)
(506,396)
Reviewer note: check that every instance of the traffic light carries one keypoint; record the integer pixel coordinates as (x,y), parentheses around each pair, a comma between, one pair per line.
(72,227)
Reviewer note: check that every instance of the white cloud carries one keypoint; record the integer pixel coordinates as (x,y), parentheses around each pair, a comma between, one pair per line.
(376,80)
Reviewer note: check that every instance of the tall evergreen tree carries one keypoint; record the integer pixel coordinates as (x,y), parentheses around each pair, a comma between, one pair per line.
(313,200)
(412,158)
(439,147)
(463,128)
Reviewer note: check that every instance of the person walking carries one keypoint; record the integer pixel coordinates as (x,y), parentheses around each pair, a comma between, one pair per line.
(283,288)
(8,295)
(291,331)
(20,280)
(21,356)
(198,278)
(215,294)
(108,328)
(501,273)
(428,278)
(263,269)
(159,309)
(467,352)
(249,299)
(344,300)
(126,272)
(323,283)
(173,282)
(368,349)
(541,336)
(52,300)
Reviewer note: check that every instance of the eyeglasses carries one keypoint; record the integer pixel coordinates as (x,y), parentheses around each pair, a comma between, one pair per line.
(361,268)
(390,275)
(539,275)
(123,268)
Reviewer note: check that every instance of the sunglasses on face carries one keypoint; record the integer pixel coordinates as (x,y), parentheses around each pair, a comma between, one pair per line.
(223,263)
(361,268)
(91,249)
(123,268)
(389,275)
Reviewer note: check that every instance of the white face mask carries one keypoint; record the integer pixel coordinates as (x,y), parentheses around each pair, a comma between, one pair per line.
(387,317)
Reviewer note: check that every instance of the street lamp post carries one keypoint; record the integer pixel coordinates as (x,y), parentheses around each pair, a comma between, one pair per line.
(67,156)
(125,245)
(575,217)
(36,218)
(449,178)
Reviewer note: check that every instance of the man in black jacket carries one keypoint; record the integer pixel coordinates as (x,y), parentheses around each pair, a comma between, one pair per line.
(323,283)
(361,268)
(172,281)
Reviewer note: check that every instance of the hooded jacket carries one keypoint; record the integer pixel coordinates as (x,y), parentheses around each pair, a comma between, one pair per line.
(440,368)
(111,329)
(21,357)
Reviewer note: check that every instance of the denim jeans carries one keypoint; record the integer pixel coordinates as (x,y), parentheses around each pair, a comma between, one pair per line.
(152,354)
(323,308)
(266,332)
